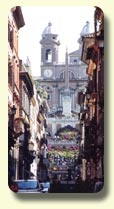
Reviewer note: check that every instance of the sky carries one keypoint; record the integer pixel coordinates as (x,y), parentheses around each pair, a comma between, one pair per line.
(67,22)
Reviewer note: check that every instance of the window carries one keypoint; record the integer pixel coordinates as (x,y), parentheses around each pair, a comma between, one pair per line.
(10,75)
(62,76)
(49,55)
(25,101)
(48,97)
(10,36)
(48,88)
(72,75)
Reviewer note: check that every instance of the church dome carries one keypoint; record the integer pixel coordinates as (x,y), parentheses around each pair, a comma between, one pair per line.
(85,29)
(48,30)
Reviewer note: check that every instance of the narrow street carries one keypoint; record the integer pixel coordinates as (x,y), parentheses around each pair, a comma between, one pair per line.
(56,120)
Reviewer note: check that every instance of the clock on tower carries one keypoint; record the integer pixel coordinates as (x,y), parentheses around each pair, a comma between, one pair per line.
(48,73)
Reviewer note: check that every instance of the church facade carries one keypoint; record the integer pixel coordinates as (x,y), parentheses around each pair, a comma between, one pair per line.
(62,81)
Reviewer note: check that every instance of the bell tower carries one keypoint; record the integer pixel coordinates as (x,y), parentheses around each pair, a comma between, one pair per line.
(49,50)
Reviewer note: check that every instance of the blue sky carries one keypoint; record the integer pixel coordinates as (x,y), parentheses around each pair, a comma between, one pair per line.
(67,22)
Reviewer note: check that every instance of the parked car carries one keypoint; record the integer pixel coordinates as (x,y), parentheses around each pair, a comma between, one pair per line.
(45,187)
(28,186)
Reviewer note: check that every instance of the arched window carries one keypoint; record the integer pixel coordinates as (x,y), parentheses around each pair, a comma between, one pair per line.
(62,75)
(72,76)
(49,55)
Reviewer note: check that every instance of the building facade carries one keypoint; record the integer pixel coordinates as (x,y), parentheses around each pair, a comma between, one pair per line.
(92,117)
(15,22)
(62,81)
(26,109)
